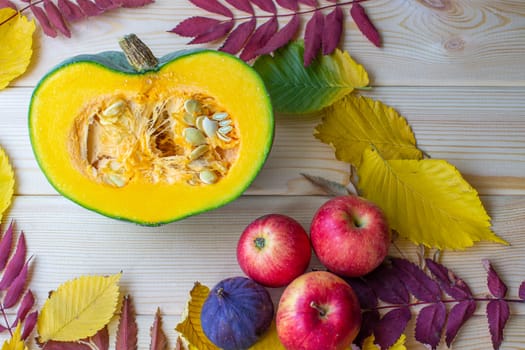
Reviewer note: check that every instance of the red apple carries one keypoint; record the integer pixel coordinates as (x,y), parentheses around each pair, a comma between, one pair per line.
(318,310)
(273,250)
(350,235)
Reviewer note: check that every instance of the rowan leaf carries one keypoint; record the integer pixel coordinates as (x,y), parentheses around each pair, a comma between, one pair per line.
(429,324)
(449,282)
(158,338)
(458,315)
(369,321)
(127,327)
(364,24)
(213,33)
(417,281)
(295,89)
(282,37)
(365,294)
(29,324)
(269,340)
(391,327)
(27,303)
(521,291)
(497,314)
(101,339)
(16,341)
(238,37)
(353,123)
(79,308)
(259,38)
(386,283)
(5,246)
(426,201)
(44,21)
(195,26)
(332,30)
(243,5)
(56,18)
(496,286)
(16,288)
(213,6)
(190,328)
(292,5)
(266,5)
(398,345)
(71,11)
(313,36)
(15,264)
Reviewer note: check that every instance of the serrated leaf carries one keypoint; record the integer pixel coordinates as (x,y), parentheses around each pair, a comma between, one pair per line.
(27,303)
(89,8)
(417,281)
(458,315)
(259,38)
(295,89)
(365,294)
(282,37)
(243,5)
(521,291)
(391,326)
(496,286)
(29,324)
(127,330)
(55,17)
(213,33)
(7,3)
(313,36)
(398,345)
(101,339)
(353,123)
(369,321)
(70,10)
(429,324)
(497,314)
(42,18)
(15,342)
(292,5)
(5,245)
(312,3)
(15,264)
(238,37)
(16,288)
(266,5)
(78,308)
(364,24)
(332,30)
(195,26)
(269,340)
(449,282)
(426,201)
(387,285)
(213,6)
(190,328)
(158,338)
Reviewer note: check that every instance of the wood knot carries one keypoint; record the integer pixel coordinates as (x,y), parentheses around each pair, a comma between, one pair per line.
(454,44)
(442,5)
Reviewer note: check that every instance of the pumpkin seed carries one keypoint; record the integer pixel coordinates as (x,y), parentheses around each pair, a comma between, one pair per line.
(116,180)
(192,106)
(189,119)
(113,109)
(198,121)
(198,152)
(225,122)
(194,136)
(208,177)
(219,116)
(225,129)
(223,137)
(209,127)
(115,165)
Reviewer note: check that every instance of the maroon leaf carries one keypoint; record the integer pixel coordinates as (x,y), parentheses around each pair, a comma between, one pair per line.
(213,33)
(458,315)
(364,24)
(213,6)
(41,17)
(26,305)
(391,326)
(266,5)
(417,281)
(158,338)
(312,37)
(195,26)
(369,321)
(127,328)
(496,286)
(16,289)
(289,4)
(101,339)
(449,282)
(70,10)
(497,315)
(387,285)
(429,324)
(365,294)
(29,324)
(135,3)
(259,38)
(5,246)
(312,3)
(14,266)
(332,30)
(238,37)
(282,37)
(55,17)
(7,3)
(521,291)
(107,4)
(243,5)
(89,8)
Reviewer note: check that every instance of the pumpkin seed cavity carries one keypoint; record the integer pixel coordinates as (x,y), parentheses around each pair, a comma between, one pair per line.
(189,139)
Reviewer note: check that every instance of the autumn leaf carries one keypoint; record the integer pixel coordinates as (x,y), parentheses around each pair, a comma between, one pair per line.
(16,35)
(368,344)
(127,327)
(190,328)
(297,89)
(269,340)
(158,338)
(16,342)
(7,178)
(426,201)
(78,308)
(354,123)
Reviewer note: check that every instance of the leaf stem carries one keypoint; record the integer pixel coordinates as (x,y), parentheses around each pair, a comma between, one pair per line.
(8,325)
(28,6)
(445,301)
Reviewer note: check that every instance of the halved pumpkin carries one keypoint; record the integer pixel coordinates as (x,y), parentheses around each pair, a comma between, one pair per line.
(154,142)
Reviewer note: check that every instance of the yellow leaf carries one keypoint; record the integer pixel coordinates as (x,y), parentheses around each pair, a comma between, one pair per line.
(426,201)
(190,328)
(16,36)
(269,340)
(79,308)
(16,342)
(7,182)
(368,344)
(354,123)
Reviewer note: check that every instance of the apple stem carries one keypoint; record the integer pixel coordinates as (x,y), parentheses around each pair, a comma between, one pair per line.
(260,242)
(322,310)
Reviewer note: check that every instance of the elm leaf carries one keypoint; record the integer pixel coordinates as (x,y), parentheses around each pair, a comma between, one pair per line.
(496,286)
(449,282)
(368,344)
(429,324)
(158,338)
(391,326)
(16,342)
(417,281)
(497,314)
(458,315)
(269,340)
(238,37)
(313,35)
(127,327)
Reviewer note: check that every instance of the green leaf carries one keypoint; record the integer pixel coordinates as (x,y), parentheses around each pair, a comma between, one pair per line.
(297,89)
(352,124)
(426,201)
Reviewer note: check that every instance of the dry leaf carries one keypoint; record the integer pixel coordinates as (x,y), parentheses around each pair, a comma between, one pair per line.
(78,308)
(7,177)
(127,327)
(158,338)
(16,342)
(16,36)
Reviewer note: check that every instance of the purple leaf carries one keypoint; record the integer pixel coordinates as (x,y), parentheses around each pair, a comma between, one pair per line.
(429,324)
(496,286)
(391,326)
(70,10)
(101,339)
(312,3)
(259,38)
(243,5)
(458,315)
(14,266)
(282,37)
(213,33)
(364,24)
(29,324)
(497,315)
(387,285)
(521,291)
(195,26)
(365,294)
(312,37)
(289,4)
(3,328)
(127,328)
(41,17)
(89,8)
(266,5)
(55,17)
(5,246)
(369,321)
(332,30)
(7,3)
(213,6)
(238,37)
(26,305)
(107,4)
(135,3)
(449,282)
(417,281)
(16,289)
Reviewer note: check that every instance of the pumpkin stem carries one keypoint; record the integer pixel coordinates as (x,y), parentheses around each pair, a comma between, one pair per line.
(138,54)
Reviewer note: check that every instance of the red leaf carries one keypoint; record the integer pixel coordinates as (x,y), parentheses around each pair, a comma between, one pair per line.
(89,8)
(417,281)
(70,10)
(387,285)
(451,284)
(312,37)
(213,6)
(266,5)
(5,246)
(243,5)
(496,286)
(332,31)
(14,266)
(364,24)
(282,37)
(195,26)
(55,17)
(429,324)
(497,315)
(213,33)
(238,37)
(365,294)
(7,3)
(106,4)
(135,3)
(41,17)
(259,38)
(16,289)
(521,291)
(29,325)
(391,326)
(289,4)
(312,3)
(127,327)
(158,338)
(458,315)
(26,305)
(101,339)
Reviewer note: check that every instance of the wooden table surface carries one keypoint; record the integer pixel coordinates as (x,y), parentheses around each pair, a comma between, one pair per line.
(454,68)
